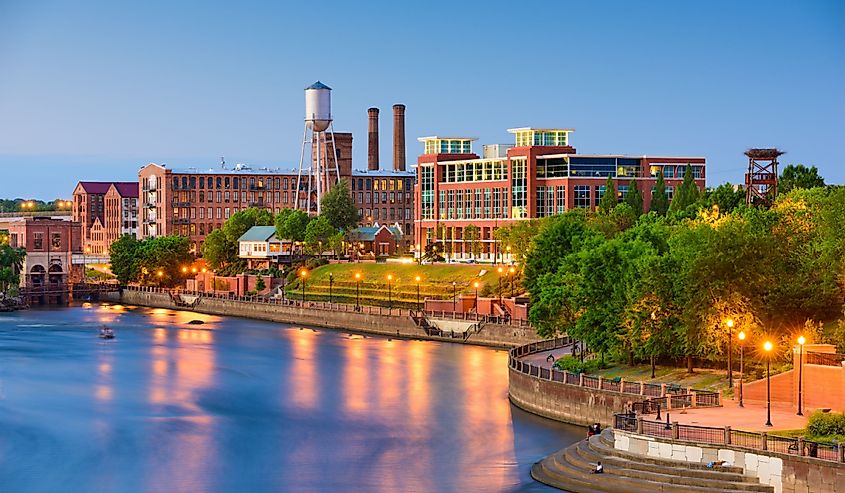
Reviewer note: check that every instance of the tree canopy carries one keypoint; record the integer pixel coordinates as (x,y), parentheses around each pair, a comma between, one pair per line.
(659,199)
(338,207)
(157,261)
(220,248)
(799,176)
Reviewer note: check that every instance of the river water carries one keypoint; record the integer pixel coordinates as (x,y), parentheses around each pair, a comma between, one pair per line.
(238,405)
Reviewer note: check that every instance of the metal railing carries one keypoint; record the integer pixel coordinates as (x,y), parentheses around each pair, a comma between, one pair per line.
(826,359)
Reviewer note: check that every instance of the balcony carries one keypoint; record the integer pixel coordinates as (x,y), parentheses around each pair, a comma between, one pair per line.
(150,205)
(257,203)
(181,204)
(149,188)
(149,221)
(257,187)
(181,220)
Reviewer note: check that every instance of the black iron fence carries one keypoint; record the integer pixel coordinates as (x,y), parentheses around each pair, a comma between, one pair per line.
(826,359)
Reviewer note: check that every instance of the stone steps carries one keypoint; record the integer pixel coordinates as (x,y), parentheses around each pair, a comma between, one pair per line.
(571,470)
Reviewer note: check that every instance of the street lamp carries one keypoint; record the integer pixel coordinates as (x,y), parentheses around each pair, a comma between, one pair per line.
(331,283)
(475,285)
(511,272)
(357,291)
(501,270)
(418,279)
(303,274)
(730,323)
(389,297)
(741,336)
(801,341)
(768,348)
(454,297)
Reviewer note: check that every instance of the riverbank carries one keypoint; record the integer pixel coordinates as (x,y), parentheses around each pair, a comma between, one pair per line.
(398,324)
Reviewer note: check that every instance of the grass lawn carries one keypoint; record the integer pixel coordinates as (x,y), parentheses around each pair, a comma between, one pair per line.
(702,378)
(436,281)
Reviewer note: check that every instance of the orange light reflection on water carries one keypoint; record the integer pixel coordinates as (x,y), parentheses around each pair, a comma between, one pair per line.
(304,379)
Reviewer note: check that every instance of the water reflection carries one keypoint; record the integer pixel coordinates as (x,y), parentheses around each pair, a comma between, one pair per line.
(237,405)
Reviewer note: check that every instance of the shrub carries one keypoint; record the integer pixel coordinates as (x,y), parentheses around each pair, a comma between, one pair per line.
(822,424)
(574,365)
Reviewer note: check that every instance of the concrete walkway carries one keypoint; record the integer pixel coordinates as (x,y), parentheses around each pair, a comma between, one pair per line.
(539,359)
(752,417)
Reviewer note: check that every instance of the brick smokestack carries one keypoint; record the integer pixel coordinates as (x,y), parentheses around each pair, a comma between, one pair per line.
(372,142)
(398,137)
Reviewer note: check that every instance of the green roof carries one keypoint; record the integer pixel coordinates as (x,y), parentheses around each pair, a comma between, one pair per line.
(259,233)
(368,233)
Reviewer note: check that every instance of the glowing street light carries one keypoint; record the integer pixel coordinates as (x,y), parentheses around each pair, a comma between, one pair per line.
(389,297)
(454,297)
(475,285)
(767,346)
(418,279)
(357,291)
(511,272)
(303,274)
(801,341)
(730,323)
(741,336)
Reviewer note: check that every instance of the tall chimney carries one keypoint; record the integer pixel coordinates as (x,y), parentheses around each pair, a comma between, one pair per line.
(372,143)
(398,137)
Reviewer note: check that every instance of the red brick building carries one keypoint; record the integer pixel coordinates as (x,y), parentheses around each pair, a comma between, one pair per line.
(105,211)
(540,175)
(50,245)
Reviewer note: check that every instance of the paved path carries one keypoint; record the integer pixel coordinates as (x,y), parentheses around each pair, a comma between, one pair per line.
(539,359)
(752,417)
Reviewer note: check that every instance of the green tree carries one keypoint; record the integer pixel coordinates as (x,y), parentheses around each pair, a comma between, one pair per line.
(11,263)
(125,259)
(339,208)
(659,199)
(634,198)
(220,248)
(564,234)
(687,193)
(219,253)
(291,224)
(260,285)
(726,197)
(608,200)
(318,233)
(166,255)
(799,176)
(472,237)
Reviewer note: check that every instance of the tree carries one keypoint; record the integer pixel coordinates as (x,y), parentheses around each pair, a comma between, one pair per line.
(217,251)
(634,199)
(564,234)
(659,199)
(11,263)
(799,176)
(220,248)
(318,233)
(608,200)
(166,255)
(433,252)
(472,237)
(686,194)
(339,208)
(518,236)
(726,197)
(125,259)
(291,224)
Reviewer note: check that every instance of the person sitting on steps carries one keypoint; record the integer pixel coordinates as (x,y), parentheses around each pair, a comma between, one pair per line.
(599,469)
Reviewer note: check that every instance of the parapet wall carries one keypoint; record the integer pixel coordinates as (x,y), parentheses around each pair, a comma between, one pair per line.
(370,323)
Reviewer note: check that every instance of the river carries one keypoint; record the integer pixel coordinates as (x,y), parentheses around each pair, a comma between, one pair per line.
(236,405)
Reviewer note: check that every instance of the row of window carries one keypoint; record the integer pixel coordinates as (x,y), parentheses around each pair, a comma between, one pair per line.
(234,182)
(473,203)
(366,184)
(476,170)
(373,197)
(384,214)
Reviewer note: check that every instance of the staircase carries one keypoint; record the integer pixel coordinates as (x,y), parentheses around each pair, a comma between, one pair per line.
(570,470)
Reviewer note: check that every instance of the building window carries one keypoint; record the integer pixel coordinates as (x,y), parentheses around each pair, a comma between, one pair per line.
(668,172)
(621,193)
(561,199)
(519,192)
(426,192)
(582,196)
(219,180)
(600,189)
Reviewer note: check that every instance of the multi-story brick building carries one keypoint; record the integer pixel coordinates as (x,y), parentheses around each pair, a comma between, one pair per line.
(50,245)
(193,202)
(102,220)
(540,175)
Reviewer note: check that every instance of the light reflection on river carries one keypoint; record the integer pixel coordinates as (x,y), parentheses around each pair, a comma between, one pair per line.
(240,405)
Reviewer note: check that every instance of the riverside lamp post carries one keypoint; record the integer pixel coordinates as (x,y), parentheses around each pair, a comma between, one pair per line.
(418,279)
(730,323)
(801,341)
(389,295)
(303,274)
(331,283)
(768,348)
(357,291)
(741,336)
(500,270)
(511,272)
(454,297)
(475,285)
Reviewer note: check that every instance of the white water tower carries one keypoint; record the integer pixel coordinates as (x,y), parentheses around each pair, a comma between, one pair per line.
(318,119)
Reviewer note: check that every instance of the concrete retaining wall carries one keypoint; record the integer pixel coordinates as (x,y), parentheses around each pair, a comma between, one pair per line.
(786,473)
(567,403)
(393,326)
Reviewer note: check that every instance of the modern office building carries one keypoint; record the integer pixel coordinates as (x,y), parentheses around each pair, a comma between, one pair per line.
(539,175)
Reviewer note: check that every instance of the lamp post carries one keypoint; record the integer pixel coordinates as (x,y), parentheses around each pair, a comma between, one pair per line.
(475,285)
(768,348)
(454,297)
(331,283)
(418,279)
(801,341)
(303,274)
(730,323)
(741,336)
(357,291)
(85,263)
(389,296)
(511,272)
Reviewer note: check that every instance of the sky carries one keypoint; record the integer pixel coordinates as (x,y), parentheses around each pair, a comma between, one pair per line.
(93,90)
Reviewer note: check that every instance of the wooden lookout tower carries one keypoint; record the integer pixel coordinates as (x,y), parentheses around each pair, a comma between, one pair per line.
(761,179)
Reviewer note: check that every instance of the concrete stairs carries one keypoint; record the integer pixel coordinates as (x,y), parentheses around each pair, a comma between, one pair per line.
(570,470)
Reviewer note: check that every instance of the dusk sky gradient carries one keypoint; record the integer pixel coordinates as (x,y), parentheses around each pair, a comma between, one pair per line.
(93,90)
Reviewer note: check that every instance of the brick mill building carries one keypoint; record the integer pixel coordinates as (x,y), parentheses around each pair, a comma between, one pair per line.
(541,174)
(193,202)
(105,211)
(50,245)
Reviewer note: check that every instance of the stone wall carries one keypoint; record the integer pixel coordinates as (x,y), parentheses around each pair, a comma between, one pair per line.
(786,473)
(567,403)
(370,323)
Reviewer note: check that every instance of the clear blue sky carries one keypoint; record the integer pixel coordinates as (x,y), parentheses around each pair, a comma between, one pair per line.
(95,89)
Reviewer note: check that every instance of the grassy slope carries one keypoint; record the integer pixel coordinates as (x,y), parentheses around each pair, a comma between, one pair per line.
(436,281)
